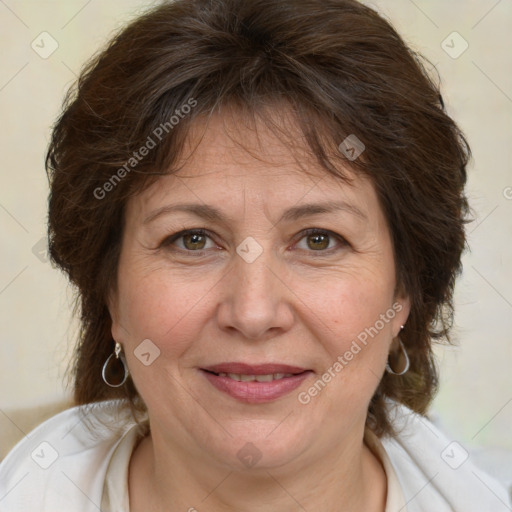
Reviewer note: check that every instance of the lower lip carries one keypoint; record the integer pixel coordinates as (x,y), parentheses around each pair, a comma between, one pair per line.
(256,392)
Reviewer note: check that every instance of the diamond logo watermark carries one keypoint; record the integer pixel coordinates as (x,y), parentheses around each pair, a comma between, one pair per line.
(249,455)
(249,249)
(40,250)
(44,45)
(454,455)
(454,45)
(352,147)
(44,455)
(147,352)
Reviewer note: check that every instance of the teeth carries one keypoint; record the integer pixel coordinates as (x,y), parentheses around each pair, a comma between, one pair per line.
(267,378)
(259,378)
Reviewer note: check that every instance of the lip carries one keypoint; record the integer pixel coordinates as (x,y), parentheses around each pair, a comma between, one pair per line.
(257,392)
(254,369)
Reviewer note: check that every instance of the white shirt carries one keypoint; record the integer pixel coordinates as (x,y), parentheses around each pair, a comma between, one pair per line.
(78,461)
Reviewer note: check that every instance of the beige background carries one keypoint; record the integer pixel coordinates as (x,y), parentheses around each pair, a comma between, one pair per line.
(475,402)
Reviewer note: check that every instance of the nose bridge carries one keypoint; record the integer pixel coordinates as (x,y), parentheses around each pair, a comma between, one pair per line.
(256,278)
(255,301)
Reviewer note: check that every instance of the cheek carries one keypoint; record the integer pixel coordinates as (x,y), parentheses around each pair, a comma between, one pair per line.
(355,315)
(160,307)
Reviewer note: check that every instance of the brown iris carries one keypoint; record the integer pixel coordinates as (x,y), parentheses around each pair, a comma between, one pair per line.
(196,241)
(321,241)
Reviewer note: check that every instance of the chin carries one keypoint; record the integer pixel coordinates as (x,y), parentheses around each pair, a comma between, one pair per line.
(261,448)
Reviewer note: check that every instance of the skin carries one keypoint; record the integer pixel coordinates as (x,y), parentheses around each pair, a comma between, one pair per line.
(295,304)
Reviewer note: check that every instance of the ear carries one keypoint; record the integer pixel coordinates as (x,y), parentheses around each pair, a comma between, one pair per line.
(112,306)
(402,308)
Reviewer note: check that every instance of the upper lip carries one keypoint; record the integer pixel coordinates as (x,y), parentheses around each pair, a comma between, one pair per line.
(253,369)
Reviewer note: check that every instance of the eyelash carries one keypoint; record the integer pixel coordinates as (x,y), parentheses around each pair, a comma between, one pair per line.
(203,232)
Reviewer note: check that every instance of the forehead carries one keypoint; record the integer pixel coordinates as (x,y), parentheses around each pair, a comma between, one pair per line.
(273,139)
(266,161)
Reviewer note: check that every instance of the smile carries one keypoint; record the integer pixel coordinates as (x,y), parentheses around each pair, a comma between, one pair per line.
(259,378)
(256,389)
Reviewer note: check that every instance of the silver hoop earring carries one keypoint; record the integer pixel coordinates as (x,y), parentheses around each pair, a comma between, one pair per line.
(407,361)
(115,368)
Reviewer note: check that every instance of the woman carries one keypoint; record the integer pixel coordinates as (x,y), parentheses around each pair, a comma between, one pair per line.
(261,205)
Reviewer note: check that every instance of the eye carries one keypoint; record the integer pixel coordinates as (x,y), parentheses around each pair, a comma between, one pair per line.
(196,240)
(193,240)
(319,240)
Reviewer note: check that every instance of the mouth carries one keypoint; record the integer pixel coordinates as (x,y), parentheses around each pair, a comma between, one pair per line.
(254,369)
(255,383)
(267,377)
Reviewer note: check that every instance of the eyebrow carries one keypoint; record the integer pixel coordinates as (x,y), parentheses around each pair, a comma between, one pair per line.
(292,214)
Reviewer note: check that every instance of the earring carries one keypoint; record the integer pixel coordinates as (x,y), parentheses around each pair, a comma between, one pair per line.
(116,368)
(407,361)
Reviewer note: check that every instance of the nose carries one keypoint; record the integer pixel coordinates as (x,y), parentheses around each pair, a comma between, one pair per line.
(256,299)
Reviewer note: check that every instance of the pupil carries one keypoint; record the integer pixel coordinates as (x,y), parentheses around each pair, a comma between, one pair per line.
(324,241)
(196,239)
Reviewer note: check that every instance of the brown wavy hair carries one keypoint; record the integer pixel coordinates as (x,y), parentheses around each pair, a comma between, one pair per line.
(341,69)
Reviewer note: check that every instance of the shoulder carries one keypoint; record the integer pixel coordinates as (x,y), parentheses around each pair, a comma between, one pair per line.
(61,464)
(437,473)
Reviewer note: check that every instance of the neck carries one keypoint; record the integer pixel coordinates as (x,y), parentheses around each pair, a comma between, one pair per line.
(348,479)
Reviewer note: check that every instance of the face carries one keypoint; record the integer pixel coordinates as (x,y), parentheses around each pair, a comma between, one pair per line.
(265,281)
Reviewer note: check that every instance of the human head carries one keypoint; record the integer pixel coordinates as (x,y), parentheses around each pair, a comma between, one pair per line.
(341,69)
